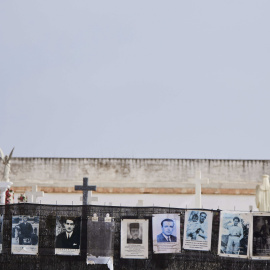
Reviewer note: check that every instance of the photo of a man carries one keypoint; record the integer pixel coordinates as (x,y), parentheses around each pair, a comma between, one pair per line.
(197,230)
(261,235)
(235,235)
(167,226)
(196,227)
(69,238)
(166,233)
(202,235)
(25,231)
(134,229)
(265,233)
(134,238)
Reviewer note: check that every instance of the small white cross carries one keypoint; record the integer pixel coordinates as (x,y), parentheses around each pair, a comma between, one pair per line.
(90,199)
(139,203)
(32,195)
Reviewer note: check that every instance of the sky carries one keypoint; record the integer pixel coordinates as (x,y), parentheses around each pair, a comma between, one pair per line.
(135,79)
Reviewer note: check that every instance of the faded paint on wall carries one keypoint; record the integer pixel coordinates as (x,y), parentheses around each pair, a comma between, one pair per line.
(157,173)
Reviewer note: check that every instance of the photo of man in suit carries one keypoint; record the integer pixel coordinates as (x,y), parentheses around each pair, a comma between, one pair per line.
(167,226)
(70,237)
(25,232)
(135,234)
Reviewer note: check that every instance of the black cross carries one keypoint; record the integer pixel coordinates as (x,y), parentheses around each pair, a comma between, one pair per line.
(85,188)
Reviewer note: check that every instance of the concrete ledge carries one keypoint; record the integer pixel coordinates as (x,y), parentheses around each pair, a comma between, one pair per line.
(131,190)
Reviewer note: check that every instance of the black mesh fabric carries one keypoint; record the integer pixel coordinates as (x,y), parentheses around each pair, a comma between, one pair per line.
(46,259)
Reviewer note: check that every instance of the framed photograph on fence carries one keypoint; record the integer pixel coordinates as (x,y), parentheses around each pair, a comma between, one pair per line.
(234,234)
(198,230)
(260,243)
(68,235)
(134,238)
(25,231)
(166,233)
(100,241)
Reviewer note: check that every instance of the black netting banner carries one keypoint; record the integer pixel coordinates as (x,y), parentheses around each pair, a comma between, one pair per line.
(45,218)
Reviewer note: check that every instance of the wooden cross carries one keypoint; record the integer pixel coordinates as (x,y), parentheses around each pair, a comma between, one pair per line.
(85,188)
(198,181)
(32,195)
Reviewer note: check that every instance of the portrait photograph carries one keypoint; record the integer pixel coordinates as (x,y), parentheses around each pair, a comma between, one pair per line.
(260,243)
(234,233)
(25,231)
(134,233)
(198,230)
(166,233)
(68,235)
(134,238)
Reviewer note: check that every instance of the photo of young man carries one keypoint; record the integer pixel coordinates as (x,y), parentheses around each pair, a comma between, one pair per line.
(167,226)
(67,236)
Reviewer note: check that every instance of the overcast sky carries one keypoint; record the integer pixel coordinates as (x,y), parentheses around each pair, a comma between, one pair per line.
(135,79)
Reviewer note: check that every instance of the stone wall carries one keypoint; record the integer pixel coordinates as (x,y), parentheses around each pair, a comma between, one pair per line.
(137,175)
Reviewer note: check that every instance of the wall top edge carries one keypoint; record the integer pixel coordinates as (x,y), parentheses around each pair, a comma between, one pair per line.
(142,159)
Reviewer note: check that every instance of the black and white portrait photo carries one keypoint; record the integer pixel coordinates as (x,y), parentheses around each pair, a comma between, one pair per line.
(134,233)
(134,238)
(198,230)
(167,227)
(68,236)
(25,230)
(261,236)
(234,234)
(166,233)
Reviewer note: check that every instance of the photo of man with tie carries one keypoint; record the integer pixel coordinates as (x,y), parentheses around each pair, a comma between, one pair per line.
(167,227)
(69,238)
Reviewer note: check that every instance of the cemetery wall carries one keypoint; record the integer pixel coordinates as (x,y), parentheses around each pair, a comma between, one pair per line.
(138,175)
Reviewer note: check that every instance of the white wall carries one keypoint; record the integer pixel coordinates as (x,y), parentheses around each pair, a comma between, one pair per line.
(158,173)
(223,202)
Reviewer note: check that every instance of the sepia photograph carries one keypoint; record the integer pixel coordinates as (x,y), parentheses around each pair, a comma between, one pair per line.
(134,238)
(25,231)
(234,234)
(166,233)
(68,235)
(198,230)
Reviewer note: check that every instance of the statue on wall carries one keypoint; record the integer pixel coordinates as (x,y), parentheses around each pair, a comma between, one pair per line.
(263,194)
(6,161)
